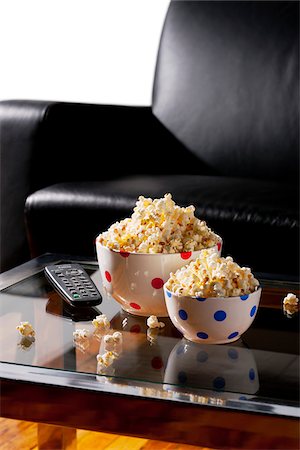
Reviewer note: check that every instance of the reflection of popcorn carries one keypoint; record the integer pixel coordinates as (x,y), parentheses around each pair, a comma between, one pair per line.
(153,322)
(26,342)
(101,323)
(80,338)
(159,226)
(290,304)
(26,329)
(212,276)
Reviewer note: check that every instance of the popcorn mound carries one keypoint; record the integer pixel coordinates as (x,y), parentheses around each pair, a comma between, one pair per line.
(159,226)
(212,276)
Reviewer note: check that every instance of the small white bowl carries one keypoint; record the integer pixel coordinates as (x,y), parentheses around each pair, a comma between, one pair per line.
(136,280)
(216,367)
(213,320)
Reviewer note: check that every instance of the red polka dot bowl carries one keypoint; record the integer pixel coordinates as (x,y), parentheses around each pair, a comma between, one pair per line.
(136,280)
(213,320)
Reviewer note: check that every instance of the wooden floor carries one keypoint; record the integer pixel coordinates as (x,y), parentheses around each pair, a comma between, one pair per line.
(20,435)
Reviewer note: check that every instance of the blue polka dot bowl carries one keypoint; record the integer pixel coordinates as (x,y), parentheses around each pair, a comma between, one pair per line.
(213,320)
(135,280)
(217,367)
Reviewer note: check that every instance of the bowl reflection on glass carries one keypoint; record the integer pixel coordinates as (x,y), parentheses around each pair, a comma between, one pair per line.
(213,320)
(215,367)
(136,280)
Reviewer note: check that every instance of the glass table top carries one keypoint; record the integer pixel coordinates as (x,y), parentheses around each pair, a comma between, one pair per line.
(259,372)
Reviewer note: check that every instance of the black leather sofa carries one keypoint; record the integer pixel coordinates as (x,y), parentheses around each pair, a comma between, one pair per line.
(222,134)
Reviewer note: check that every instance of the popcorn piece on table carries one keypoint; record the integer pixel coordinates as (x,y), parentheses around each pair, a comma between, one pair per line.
(106,360)
(26,329)
(152,322)
(101,323)
(80,334)
(290,304)
(113,341)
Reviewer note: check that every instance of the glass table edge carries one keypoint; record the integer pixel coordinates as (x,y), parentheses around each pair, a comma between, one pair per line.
(80,380)
(141,389)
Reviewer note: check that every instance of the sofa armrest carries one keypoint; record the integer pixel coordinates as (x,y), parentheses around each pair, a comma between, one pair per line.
(19,124)
(42,143)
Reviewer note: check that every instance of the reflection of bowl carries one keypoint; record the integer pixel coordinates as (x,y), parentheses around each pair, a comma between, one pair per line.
(136,280)
(213,320)
(221,368)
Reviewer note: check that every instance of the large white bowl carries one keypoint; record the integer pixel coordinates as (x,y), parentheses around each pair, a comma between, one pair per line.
(217,367)
(213,320)
(136,280)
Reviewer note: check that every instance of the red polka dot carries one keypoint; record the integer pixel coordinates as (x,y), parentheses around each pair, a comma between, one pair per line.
(108,276)
(157,363)
(135,328)
(186,255)
(135,305)
(219,246)
(124,254)
(157,283)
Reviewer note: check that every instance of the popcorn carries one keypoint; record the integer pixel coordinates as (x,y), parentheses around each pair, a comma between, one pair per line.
(101,323)
(106,360)
(212,276)
(80,334)
(153,322)
(159,226)
(26,329)
(290,304)
(113,341)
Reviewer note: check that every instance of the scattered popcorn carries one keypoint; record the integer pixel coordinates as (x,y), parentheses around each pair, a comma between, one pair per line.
(101,323)
(152,322)
(26,329)
(159,226)
(290,304)
(113,341)
(106,359)
(152,334)
(212,276)
(80,334)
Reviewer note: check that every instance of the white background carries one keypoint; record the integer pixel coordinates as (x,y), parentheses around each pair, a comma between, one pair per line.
(91,51)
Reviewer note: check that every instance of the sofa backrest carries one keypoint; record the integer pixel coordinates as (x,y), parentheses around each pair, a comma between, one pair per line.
(226,84)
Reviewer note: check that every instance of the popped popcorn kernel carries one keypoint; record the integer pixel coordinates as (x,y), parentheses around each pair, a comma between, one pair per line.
(101,323)
(26,329)
(113,341)
(153,322)
(106,359)
(80,334)
(290,304)
(212,276)
(159,226)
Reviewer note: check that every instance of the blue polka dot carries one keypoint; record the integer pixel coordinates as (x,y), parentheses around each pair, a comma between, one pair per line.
(219,383)
(182,377)
(180,350)
(201,299)
(242,397)
(244,297)
(202,335)
(169,294)
(251,374)
(182,314)
(233,335)
(202,356)
(253,311)
(232,353)
(220,315)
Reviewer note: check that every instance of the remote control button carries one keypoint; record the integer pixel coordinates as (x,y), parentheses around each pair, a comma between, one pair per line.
(76,296)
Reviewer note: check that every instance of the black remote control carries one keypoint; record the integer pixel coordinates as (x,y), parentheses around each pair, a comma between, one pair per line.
(74,284)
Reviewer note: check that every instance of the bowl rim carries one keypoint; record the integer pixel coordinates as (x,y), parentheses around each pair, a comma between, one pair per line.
(193,297)
(220,240)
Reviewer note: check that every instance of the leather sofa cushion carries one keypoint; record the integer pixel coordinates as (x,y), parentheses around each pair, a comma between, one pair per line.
(258,220)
